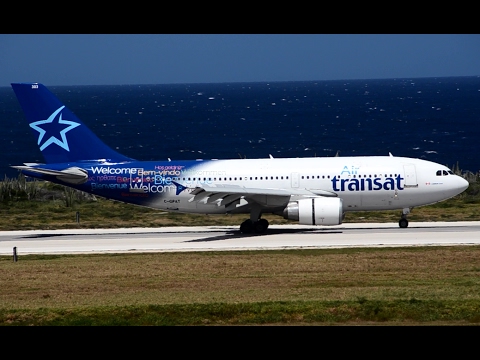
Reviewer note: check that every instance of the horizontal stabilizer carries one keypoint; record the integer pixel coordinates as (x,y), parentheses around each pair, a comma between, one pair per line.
(72,175)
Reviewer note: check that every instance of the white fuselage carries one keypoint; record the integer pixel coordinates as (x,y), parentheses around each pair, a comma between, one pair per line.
(363,183)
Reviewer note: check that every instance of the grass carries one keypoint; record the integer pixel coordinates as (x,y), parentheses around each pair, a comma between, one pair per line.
(327,286)
(269,313)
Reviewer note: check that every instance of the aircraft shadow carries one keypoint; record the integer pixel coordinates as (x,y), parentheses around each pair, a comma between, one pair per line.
(37,236)
(236,234)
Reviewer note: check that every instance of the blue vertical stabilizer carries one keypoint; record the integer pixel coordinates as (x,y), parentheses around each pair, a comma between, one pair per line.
(60,135)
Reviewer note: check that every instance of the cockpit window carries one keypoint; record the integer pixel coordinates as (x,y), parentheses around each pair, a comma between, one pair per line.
(443,172)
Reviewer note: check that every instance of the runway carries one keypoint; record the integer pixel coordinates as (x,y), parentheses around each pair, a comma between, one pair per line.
(227,238)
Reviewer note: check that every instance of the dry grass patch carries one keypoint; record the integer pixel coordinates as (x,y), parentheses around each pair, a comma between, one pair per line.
(236,277)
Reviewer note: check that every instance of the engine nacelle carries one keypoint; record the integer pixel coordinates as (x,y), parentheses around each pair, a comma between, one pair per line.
(315,211)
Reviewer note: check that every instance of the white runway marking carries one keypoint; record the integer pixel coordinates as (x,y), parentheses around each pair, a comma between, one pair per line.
(214,238)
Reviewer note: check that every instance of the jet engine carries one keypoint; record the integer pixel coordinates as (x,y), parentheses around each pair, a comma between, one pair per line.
(315,211)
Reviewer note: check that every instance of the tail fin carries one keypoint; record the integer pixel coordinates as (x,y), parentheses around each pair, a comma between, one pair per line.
(61,136)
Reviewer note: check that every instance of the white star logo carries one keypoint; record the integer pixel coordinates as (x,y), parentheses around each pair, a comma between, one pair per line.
(54,128)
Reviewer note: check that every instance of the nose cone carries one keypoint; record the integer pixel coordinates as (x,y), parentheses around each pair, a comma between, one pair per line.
(462,185)
(454,186)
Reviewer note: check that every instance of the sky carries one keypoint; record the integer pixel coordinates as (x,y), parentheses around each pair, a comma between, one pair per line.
(112,59)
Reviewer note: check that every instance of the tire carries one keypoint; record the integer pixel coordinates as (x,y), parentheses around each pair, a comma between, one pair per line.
(260,226)
(246,227)
(403,223)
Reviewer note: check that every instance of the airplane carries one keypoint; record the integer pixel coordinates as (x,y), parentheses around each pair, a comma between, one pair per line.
(312,191)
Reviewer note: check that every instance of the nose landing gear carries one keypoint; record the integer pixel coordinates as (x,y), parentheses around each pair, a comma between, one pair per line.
(403,223)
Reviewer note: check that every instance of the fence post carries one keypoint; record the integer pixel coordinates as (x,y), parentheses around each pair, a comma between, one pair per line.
(15,258)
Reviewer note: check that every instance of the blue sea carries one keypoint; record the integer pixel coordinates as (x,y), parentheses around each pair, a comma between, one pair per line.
(430,118)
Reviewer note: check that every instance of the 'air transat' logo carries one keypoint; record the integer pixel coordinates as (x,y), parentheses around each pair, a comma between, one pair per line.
(51,126)
(367,184)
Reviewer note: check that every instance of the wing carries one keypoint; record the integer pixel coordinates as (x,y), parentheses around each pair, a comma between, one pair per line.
(230,195)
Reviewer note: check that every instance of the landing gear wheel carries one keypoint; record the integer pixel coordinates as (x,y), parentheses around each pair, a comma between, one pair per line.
(260,226)
(403,223)
(246,227)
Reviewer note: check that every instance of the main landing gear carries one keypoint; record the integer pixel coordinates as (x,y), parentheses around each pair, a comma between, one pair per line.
(255,223)
(249,226)
(403,223)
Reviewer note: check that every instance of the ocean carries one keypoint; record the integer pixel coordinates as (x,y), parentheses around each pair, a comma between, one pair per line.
(435,119)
